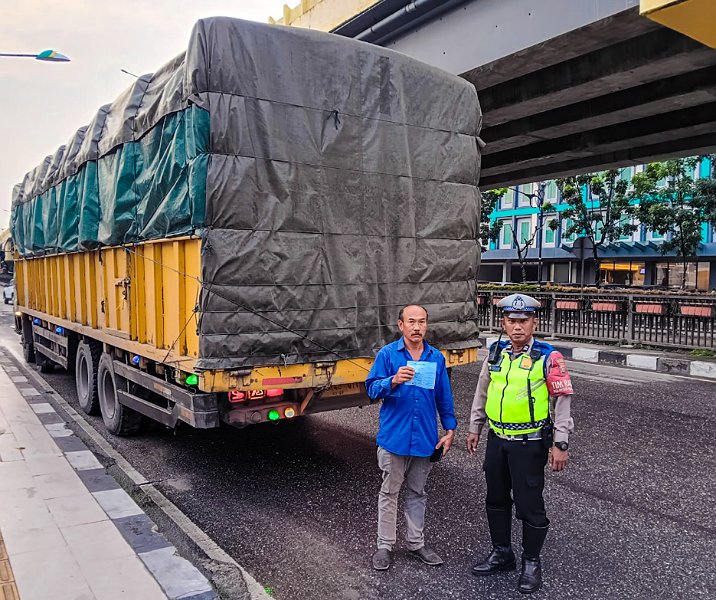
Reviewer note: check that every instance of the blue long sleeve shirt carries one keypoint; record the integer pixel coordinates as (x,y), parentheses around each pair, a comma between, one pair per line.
(408,420)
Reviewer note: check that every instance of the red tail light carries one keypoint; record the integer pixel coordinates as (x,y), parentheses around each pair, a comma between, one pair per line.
(274,393)
(237,396)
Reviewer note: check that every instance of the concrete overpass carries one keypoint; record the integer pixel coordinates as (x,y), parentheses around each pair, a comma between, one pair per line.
(566,86)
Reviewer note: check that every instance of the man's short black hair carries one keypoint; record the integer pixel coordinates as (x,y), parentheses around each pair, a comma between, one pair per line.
(400,314)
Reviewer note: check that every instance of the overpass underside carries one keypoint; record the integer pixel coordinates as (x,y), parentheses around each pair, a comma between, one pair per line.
(619,91)
(566,86)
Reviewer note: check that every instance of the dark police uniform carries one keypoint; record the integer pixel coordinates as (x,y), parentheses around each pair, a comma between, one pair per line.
(524,394)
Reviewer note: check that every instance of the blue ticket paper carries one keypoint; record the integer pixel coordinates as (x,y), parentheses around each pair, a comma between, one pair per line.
(425,373)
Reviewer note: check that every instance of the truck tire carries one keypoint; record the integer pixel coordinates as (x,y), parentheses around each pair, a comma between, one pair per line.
(28,352)
(86,364)
(118,419)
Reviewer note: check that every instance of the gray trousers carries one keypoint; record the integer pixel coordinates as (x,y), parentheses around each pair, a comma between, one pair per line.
(413,470)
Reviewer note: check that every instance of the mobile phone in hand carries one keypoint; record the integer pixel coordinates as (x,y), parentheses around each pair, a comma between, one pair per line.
(436,455)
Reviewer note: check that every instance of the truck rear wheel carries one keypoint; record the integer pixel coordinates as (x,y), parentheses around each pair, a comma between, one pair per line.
(28,352)
(118,419)
(86,364)
(28,347)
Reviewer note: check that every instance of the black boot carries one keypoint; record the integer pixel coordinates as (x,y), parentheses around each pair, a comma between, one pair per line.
(531,576)
(502,558)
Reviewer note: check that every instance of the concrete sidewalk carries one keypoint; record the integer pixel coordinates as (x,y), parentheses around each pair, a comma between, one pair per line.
(661,361)
(67,529)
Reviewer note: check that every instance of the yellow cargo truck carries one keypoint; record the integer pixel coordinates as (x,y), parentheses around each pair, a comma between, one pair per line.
(232,238)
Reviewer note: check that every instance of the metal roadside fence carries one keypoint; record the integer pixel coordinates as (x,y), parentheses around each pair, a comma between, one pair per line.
(677,321)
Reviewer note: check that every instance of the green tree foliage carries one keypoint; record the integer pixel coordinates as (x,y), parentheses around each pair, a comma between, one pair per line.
(674,204)
(490,230)
(602,214)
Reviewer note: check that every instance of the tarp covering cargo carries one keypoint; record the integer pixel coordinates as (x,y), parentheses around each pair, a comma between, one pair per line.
(331,181)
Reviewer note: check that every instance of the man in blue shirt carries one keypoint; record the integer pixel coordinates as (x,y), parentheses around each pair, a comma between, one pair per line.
(411,379)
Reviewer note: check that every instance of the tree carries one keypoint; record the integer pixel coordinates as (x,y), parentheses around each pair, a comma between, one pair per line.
(537,201)
(600,217)
(490,229)
(674,204)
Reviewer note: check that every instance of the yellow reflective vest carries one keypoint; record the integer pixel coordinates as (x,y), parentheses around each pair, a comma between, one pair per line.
(508,395)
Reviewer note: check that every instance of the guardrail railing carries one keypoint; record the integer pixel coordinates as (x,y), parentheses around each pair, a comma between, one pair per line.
(676,321)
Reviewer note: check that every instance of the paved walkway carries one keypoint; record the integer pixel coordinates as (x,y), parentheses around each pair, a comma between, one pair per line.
(67,529)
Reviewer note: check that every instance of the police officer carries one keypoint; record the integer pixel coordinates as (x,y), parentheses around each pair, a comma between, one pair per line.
(524,394)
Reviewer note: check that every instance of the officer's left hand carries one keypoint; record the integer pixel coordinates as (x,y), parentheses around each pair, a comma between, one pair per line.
(558,459)
(446,441)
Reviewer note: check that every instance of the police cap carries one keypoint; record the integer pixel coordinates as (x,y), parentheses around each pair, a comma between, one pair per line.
(519,306)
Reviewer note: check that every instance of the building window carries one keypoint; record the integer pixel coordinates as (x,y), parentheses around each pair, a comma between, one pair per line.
(627,173)
(524,198)
(671,274)
(506,234)
(626,237)
(654,236)
(705,168)
(623,273)
(549,233)
(598,227)
(524,228)
(562,272)
(565,227)
(550,190)
(508,200)
(703,276)
(690,172)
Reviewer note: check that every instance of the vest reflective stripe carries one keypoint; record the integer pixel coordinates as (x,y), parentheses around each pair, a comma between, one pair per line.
(508,407)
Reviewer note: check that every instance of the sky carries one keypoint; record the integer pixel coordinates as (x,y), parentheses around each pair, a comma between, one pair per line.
(43,104)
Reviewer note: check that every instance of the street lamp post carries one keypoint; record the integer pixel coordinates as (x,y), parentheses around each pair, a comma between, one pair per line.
(45,56)
(540,224)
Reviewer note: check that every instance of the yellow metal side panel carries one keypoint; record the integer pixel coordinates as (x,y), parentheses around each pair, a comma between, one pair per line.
(192,267)
(153,276)
(47,279)
(695,18)
(139,298)
(42,301)
(73,306)
(55,283)
(94,288)
(79,283)
(171,299)
(107,278)
(38,276)
(174,300)
(50,290)
(114,263)
(33,278)
(137,295)
(63,274)
(123,292)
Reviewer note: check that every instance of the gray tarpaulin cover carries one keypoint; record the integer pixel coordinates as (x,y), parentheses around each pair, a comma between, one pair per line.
(332,182)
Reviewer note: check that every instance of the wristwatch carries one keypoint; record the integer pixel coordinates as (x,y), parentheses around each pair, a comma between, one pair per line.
(562,446)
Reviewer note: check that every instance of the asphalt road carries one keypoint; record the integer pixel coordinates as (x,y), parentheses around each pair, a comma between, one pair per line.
(295,503)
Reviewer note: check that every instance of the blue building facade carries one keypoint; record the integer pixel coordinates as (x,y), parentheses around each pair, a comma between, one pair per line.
(634,260)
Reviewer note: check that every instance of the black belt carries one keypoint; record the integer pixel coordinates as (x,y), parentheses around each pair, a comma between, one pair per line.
(519,426)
